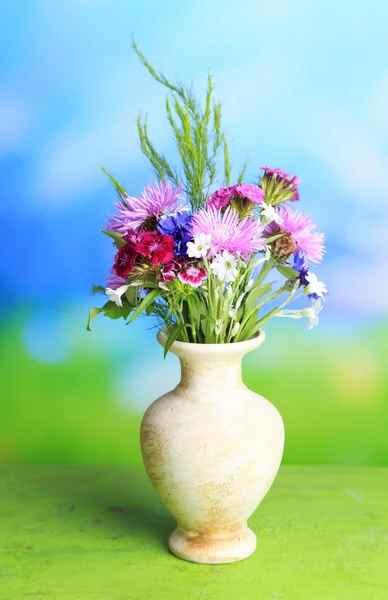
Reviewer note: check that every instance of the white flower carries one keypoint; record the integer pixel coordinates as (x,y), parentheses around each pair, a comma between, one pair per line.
(268,214)
(225,267)
(200,247)
(249,285)
(232,313)
(115,295)
(218,327)
(235,329)
(315,286)
(229,291)
(312,313)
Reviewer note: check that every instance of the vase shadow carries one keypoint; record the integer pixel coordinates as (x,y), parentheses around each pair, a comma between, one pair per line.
(118,501)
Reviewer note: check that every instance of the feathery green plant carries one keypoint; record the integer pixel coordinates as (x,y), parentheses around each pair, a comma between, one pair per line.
(198,136)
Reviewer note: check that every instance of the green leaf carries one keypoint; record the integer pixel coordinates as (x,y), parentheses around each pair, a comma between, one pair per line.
(173,336)
(132,295)
(288,272)
(119,189)
(97,289)
(242,172)
(113,311)
(273,238)
(92,315)
(117,237)
(254,295)
(144,304)
(249,327)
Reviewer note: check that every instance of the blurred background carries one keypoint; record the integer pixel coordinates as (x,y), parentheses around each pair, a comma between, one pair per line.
(304,86)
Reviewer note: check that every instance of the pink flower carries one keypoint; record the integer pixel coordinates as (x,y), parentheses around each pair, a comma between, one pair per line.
(221,197)
(158,248)
(228,232)
(299,234)
(169,271)
(289,183)
(137,212)
(194,276)
(245,190)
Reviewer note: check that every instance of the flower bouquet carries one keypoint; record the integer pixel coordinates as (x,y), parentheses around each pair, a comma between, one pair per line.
(199,260)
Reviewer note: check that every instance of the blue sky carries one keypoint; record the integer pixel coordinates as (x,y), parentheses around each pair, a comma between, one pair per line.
(304,86)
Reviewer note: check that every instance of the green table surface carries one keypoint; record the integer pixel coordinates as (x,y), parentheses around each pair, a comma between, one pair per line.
(100,532)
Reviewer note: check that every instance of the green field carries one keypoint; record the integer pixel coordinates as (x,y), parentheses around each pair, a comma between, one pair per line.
(331,389)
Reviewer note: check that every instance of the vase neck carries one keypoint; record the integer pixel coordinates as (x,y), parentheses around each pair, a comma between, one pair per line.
(200,374)
(208,369)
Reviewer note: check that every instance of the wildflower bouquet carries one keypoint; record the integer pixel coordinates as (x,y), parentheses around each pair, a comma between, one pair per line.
(199,260)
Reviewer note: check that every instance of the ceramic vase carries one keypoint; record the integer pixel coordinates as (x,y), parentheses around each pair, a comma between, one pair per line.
(212,448)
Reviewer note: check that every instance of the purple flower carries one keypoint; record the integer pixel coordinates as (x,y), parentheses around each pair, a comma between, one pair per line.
(299,234)
(177,225)
(113,281)
(228,232)
(134,213)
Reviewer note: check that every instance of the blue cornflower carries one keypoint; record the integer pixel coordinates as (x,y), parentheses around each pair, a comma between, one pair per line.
(300,265)
(308,279)
(177,225)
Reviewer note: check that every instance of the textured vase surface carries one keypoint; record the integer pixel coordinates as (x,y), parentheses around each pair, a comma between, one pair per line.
(212,448)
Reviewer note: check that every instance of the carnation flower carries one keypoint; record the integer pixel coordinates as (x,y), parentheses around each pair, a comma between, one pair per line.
(225,267)
(144,212)
(169,271)
(228,232)
(194,276)
(298,234)
(125,260)
(177,225)
(221,197)
(158,248)
(280,186)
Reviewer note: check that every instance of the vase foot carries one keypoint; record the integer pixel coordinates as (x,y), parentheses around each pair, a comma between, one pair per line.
(212,549)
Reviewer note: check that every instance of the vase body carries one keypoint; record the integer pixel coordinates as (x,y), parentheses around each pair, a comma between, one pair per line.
(212,448)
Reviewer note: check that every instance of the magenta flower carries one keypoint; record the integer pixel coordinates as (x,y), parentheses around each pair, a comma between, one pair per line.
(133,213)
(221,197)
(288,183)
(245,190)
(228,232)
(299,234)
(194,276)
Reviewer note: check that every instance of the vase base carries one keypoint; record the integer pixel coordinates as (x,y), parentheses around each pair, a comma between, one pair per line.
(212,549)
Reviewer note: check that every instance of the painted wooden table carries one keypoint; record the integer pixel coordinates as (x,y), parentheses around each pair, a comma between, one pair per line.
(100,532)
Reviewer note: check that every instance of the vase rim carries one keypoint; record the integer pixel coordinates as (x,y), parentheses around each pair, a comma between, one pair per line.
(239,347)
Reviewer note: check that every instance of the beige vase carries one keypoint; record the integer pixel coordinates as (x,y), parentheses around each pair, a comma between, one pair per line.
(212,448)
